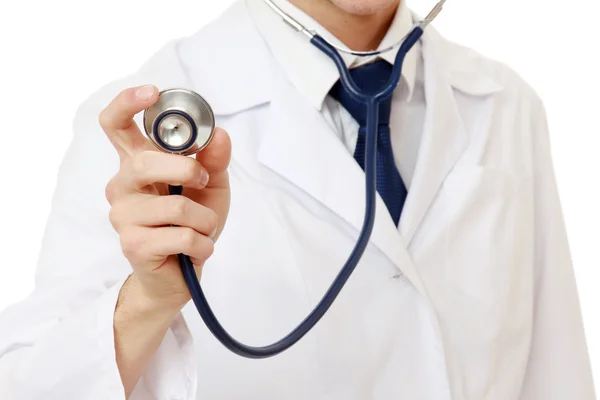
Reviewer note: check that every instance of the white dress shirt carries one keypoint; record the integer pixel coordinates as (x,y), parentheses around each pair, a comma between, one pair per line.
(314,74)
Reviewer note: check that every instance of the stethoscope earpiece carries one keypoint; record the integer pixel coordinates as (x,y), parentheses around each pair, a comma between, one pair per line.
(180,122)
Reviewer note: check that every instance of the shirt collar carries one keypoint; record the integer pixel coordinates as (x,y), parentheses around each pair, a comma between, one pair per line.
(309,70)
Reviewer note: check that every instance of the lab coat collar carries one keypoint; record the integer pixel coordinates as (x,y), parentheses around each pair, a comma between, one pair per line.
(233,67)
(307,68)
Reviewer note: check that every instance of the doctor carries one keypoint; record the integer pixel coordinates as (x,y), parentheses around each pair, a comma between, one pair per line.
(466,291)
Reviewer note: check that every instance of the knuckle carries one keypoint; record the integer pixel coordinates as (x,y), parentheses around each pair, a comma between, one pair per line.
(212,221)
(124,94)
(199,246)
(140,162)
(190,169)
(114,216)
(104,119)
(188,239)
(110,191)
(131,242)
(179,206)
(114,188)
(208,248)
(123,97)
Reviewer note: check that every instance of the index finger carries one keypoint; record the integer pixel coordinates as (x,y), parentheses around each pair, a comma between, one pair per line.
(117,119)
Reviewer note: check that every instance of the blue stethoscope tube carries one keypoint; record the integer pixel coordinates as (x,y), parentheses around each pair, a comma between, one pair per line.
(372,102)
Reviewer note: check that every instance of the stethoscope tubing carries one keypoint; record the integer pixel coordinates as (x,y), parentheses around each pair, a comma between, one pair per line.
(372,102)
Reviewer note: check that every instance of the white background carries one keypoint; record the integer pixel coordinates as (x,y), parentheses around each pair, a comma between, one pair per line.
(54,53)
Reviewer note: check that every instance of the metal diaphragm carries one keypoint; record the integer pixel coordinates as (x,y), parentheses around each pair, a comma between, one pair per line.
(180,122)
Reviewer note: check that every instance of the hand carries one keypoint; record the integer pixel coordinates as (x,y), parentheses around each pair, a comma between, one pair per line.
(142,213)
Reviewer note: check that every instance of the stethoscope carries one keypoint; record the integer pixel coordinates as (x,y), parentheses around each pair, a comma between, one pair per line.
(182,122)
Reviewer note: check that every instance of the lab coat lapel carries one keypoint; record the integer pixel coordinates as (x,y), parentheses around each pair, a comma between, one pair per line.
(300,146)
(444,135)
(443,140)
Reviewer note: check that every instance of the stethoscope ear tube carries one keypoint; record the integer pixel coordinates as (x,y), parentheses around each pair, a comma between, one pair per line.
(372,103)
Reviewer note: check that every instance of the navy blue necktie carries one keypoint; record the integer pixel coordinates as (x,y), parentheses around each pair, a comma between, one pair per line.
(371,78)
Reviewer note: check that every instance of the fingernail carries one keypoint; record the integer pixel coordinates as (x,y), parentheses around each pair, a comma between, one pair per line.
(144,93)
(213,233)
(204,178)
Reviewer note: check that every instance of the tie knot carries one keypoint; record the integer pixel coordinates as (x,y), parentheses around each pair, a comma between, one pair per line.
(370,78)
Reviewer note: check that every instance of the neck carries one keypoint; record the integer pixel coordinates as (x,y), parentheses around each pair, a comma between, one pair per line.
(360,32)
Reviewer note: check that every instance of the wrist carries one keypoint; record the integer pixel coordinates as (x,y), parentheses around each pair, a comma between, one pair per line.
(140,325)
(135,303)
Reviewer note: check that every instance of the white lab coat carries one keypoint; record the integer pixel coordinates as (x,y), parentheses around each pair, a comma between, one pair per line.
(472,298)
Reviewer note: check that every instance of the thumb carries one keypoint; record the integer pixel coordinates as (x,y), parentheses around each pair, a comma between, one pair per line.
(215,159)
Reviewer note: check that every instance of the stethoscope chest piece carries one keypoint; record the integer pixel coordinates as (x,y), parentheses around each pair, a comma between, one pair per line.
(180,122)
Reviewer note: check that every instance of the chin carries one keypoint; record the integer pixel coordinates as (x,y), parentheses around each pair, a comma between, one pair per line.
(364,7)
